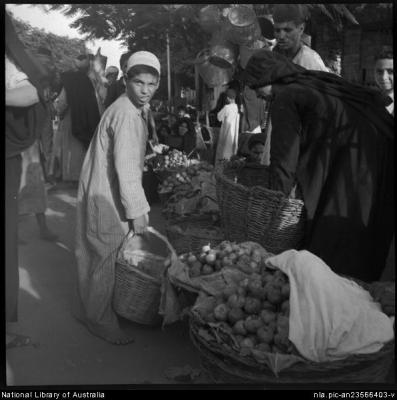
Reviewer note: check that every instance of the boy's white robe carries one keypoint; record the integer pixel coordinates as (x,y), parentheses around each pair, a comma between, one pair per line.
(110,192)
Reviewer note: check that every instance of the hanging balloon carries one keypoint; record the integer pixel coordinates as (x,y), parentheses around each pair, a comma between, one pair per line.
(222,53)
(244,26)
(211,74)
(210,18)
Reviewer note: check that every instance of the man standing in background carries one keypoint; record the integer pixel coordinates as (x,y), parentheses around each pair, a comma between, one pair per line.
(289,25)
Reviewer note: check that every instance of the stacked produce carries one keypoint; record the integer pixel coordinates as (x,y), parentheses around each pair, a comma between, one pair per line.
(245,257)
(212,268)
(253,313)
(384,293)
(191,191)
(174,182)
(183,177)
(172,160)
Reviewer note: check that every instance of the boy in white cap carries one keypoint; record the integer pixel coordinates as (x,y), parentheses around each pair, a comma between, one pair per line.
(111,200)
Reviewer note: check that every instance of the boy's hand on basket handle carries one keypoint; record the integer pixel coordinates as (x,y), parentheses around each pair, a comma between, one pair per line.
(140,224)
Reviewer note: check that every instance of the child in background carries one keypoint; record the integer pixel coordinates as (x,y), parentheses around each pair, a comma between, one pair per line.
(228,135)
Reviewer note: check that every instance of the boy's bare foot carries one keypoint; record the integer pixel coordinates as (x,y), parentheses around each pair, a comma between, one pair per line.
(114,335)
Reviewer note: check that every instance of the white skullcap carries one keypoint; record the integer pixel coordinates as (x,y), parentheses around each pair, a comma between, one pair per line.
(111,70)
(144,58)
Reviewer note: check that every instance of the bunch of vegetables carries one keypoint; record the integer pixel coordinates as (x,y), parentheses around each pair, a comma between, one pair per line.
(173,159)
(191,192)
(255,311)
(245,256)
(171,184)
(184,176)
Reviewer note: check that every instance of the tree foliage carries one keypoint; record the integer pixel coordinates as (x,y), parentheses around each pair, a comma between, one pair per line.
(146,25)
(53,51)
(143,26)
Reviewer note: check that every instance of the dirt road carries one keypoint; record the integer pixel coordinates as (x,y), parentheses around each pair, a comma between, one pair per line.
(64,352)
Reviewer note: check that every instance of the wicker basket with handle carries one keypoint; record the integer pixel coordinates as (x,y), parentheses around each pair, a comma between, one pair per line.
(258,214)
(137,290)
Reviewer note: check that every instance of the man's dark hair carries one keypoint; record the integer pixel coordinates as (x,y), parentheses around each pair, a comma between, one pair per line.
(141,69)
(187,121)
(231,93)
(124,57)
(385,52)
(298,13)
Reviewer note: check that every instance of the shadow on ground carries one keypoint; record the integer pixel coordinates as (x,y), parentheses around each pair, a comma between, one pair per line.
(64,352)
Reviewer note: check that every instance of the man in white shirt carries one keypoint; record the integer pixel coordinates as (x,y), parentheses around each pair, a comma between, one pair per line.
(289,25)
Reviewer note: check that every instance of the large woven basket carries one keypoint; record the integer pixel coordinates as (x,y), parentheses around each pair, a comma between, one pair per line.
(258,214)
(225,367)
(137,289)
(204,232)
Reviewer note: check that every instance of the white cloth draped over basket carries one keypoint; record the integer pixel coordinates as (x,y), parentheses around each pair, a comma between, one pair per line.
(331,317)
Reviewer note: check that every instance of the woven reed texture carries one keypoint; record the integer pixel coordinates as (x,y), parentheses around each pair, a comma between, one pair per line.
(137,293)
(259,214)
(193,240)
(226,367)
(164,197)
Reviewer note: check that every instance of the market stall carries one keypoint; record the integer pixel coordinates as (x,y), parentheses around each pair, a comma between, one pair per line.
(260,309)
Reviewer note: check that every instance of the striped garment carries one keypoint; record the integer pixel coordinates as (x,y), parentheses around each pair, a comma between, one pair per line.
(110,192)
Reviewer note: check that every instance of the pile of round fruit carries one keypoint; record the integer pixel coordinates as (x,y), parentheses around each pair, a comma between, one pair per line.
(244,256)
(175,180)
(184,177)
(173,159)
(256,311)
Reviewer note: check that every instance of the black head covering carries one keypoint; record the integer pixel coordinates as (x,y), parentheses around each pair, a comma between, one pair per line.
(231,93)
(266,67)
(269,68)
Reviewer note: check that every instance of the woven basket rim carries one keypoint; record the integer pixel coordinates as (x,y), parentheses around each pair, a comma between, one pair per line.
(136,270)
(387,347)
(170,225)
(252,190)
(231,371)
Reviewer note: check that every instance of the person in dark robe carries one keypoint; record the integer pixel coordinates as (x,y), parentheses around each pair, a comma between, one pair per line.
(26,83)
(334,139)
(82,100)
